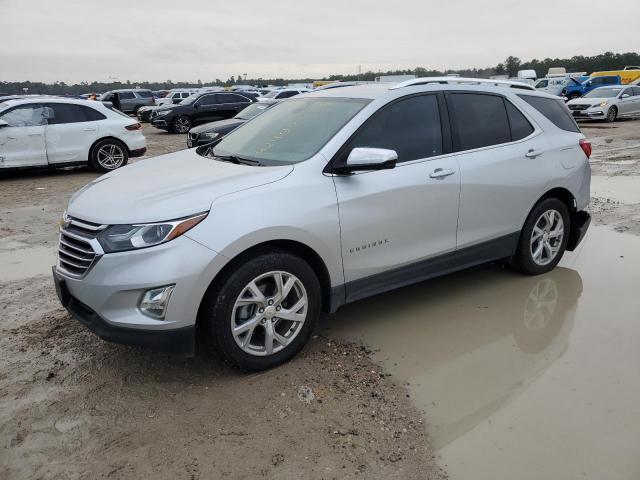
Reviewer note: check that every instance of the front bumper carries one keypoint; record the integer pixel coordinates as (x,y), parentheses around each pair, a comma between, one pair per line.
(107,298)
(160,122)
(596,114)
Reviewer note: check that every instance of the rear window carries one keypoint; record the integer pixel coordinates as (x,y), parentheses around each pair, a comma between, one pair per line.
(481,120)
(145,93)
(555,111)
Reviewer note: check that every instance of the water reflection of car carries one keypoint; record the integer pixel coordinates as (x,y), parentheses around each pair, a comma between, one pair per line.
(470,343)
(607,103)
(214,131)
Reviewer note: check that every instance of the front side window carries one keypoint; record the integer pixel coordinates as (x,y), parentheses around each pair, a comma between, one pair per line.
(481,120)
(24,116)
(208,100)
(542,84)
(410,126)
(290,132)
(126,95)
(555,110)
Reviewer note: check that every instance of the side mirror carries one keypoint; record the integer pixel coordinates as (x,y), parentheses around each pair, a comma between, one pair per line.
(3,123)
(365,159)
(589,83)
(625,95)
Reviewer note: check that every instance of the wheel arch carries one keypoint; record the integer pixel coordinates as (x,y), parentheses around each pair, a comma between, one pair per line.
(108,137)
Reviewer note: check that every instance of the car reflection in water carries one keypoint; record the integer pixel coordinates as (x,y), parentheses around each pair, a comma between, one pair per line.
(468,344)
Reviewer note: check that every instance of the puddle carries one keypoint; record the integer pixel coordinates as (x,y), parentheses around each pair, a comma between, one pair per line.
(624,189)
(520,377)
(26,263)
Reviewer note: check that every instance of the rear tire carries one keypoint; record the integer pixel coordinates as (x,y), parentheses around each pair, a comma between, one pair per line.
(543,239)
(241,322)
(108,154)
(612,114)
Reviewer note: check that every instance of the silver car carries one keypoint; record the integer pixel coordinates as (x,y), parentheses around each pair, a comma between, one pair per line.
(607,103)
(324,199)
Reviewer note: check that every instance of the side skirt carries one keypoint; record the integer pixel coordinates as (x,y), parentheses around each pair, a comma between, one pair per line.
(417,272)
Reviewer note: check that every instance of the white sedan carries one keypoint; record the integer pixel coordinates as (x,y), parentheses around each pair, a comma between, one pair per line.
(55,132)
(607,103)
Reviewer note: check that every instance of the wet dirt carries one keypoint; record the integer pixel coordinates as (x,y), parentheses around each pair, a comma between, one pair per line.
(520,377)
(73,406)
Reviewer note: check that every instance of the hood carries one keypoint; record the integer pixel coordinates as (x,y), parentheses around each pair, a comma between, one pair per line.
(165,188)
(222,125)
(588,101)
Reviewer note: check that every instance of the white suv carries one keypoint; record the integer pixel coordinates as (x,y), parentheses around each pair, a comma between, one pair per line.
(56,132)
(324,199)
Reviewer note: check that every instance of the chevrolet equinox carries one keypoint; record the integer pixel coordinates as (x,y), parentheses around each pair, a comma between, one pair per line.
(327,198)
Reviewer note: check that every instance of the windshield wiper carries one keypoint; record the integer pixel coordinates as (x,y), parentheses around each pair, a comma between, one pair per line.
(239,160)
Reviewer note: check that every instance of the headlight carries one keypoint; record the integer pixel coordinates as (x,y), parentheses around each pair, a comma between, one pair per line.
(164,112)
(211,135)
(119,238)
(602,104)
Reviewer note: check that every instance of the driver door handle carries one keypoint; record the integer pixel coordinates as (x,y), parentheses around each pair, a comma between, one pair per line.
(442,172)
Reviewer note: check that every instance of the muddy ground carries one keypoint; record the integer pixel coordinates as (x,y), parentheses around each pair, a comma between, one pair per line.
(73,406)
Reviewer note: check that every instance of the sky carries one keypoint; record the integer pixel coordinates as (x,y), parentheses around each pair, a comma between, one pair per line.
(190,40)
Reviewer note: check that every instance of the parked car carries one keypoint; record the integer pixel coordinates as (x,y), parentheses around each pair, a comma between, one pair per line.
(55,132)
(197,109)
(556,84)
(607,103)
(323,199)
(574,91)
(172,98)
(129,100)
(215,131)
(283,93)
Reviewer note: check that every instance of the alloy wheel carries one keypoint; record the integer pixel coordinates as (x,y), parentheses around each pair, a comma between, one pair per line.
(269,313)
(546,237)
(182,125)
(110,156)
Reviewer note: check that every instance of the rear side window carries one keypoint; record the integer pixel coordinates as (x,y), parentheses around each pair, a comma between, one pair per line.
(555,111)
(411,127)
(481,119)
(145,94)
(520,126)
(71,113)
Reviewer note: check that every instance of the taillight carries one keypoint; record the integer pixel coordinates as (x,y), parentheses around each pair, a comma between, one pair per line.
(586,147)
(138,126)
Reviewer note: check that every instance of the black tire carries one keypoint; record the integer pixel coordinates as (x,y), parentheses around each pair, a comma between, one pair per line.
(181,124)
(612,114)
(96,159)
(523,259)
(215,315)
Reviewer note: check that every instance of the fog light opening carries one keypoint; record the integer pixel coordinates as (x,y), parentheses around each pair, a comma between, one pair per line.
(154,302)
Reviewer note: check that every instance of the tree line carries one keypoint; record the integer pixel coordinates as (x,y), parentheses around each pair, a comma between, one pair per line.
(510,67)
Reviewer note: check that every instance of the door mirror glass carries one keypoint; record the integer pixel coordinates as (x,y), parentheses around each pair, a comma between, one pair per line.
(625,95)
(3,123)
(365,158)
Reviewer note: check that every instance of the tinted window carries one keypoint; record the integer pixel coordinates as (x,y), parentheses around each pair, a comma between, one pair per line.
(70,113)
(555,111)
(24,116)
(286,94)
(636,90)
(411,127)
(597,81)
(126,95)
(145,94)
(520,126)
(481,120)
(611,80)
(628,91)
(239,99)
(208,100)
(542,84)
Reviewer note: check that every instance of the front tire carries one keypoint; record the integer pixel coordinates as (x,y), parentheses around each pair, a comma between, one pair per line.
(543,239)
(181,124)
(612,114)
(263,312)
(108,154)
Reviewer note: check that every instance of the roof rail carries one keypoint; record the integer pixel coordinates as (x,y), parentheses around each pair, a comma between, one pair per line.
(463,81)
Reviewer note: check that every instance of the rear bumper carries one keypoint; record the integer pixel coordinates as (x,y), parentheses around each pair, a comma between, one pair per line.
(580,222)
(138,152)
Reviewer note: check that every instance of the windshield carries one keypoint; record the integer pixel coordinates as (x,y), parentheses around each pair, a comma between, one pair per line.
(603,92)
(190,99)
(252,110)
(272,94)
(291,131)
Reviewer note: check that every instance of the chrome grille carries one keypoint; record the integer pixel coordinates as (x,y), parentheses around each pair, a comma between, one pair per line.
(78,249)
(578,106)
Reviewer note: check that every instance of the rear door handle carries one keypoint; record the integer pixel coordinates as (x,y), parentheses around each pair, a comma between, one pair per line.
(532,153)
(88,129)
(442,172)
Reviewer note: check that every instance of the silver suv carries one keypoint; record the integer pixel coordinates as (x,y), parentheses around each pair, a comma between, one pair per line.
(324,199)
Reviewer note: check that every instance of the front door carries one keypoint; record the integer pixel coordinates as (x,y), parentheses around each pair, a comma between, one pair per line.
(207,109)
(22,139)
(391,219)
(626,106)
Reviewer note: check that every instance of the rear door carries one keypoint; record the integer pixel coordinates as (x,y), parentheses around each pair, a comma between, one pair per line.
(22,141)
(499,182)
(230,104)
(393,218)
(71,132)
(626,106)
(636,100)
